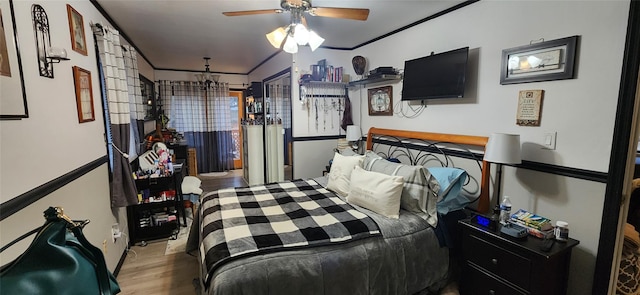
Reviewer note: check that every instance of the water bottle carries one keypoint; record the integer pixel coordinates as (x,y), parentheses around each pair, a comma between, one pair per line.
(505,210)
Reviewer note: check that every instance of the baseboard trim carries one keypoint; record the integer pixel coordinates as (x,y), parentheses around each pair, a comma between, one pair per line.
(116,271)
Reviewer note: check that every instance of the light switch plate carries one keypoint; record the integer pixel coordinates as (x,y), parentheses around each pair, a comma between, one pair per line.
(549,140)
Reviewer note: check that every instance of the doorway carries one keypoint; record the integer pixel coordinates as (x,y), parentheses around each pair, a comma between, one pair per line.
(237,107)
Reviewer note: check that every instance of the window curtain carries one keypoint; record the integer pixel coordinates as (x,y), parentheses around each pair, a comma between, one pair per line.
(204,117)
(116,95)
(136,104)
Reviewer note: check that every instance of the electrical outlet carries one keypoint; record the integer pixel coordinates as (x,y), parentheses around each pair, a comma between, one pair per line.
(115,232)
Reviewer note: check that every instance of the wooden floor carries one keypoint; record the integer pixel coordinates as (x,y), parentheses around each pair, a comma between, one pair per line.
(146,270)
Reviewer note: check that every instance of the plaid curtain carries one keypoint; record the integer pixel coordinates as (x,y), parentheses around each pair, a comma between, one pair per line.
(136,105)
(116,97)
(204,117)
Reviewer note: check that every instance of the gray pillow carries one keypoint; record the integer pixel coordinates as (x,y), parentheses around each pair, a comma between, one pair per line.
(419,192)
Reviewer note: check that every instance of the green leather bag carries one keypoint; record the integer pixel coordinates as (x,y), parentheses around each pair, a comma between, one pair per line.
(60,260)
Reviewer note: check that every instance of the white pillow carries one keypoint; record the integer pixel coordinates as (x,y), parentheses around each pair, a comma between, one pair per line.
(377,192)
(419,194)
(340,174)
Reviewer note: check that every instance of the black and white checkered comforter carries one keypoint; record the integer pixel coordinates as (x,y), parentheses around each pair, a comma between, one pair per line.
(258,219)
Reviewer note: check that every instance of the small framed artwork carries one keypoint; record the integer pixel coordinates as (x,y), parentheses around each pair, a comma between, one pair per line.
(529,107)
(544,61)
(76,28)
(381,101)
(84,94)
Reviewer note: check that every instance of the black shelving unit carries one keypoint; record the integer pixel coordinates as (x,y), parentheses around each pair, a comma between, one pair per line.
(147,221)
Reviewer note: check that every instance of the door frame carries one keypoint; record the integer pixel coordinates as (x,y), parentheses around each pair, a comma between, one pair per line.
(618,177)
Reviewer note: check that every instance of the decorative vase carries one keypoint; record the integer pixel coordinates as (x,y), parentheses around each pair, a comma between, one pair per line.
(359,63)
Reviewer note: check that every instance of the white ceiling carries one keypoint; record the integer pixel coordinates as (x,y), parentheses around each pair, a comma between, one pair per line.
(177,34)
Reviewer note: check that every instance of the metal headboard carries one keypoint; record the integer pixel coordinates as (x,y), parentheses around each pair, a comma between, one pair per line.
(421,148)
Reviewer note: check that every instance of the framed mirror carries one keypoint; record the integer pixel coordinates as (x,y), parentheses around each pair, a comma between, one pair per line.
(278,136)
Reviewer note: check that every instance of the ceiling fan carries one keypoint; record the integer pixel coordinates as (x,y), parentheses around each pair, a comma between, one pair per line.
(297,32)
(302,6)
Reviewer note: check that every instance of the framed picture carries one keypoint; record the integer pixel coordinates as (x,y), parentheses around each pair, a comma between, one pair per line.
(381,101)
(84,94)
(544,61)
(76,28)
(529,107)
(13,102)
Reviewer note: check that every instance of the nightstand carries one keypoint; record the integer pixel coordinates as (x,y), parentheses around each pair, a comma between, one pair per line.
(494,263)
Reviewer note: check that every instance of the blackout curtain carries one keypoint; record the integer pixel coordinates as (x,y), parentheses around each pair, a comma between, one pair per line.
(204,117)
(116,95)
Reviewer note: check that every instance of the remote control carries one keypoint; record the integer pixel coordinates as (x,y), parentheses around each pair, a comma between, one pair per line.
(547,244)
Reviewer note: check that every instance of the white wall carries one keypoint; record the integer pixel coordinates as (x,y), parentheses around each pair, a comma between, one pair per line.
(581,110)
(51,142)
(569,106)
(43,141)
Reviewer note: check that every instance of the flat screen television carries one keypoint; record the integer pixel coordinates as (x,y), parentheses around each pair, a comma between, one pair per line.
(439,75)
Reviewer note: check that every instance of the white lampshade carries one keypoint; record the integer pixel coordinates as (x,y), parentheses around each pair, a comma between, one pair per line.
(277,36)
(301,34)
(314,40)
(503,148)
(200,77)
(353,133)
(290,45)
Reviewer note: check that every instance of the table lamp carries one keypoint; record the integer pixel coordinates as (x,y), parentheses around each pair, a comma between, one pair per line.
(502,149)
(354,135)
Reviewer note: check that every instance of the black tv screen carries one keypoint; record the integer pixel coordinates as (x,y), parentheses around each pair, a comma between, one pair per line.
(439,75)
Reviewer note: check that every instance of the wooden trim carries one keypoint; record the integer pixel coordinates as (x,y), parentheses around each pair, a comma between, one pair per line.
(564,171)
(480,141)
(430,136)
(120,263)
(16,204)
(313,138)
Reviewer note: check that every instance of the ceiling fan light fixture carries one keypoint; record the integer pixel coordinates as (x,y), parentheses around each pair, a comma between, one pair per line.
(314,40)
(290,45)
(277,36)
(301,34)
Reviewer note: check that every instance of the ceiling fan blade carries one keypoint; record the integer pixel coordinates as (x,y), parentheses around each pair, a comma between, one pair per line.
(252,12)
(349,13)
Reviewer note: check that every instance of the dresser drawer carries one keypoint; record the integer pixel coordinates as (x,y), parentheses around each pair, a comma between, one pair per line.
(498,261)
(477,282)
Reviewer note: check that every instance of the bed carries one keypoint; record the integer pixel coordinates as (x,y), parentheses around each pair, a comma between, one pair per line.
(307,236)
